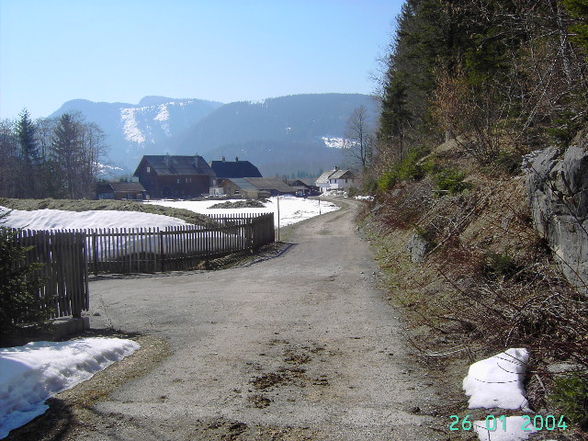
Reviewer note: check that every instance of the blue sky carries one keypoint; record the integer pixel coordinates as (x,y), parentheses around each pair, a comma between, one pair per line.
(52,51)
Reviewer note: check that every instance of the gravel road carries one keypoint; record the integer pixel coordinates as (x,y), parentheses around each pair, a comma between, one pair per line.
(300,347)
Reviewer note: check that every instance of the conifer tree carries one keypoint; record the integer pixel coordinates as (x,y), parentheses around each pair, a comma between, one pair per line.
(29,155)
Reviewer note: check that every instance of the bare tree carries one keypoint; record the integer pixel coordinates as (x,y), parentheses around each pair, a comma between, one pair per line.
(360,136)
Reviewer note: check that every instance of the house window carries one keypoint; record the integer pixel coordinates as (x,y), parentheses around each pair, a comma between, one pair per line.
(148,169)
(346,181)
(178,180)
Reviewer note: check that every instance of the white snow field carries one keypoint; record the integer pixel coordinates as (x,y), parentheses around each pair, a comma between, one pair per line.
(62,219)
(292,208)
(32,373)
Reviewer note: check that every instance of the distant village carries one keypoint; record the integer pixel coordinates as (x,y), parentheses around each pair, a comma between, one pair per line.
(185,177)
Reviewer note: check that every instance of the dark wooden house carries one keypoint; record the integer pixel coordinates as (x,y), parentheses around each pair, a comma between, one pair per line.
(120,190)
(236,169)
(170,176)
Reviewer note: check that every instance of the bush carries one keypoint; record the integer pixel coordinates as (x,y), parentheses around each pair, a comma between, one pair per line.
(451,181)
(408,169)
(20,302)
(503,265)
(352,191)
(570,395)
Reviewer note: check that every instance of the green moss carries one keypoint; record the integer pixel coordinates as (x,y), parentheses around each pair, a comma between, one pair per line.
(570,395)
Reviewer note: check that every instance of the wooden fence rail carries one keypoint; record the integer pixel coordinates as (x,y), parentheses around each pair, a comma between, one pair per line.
(150,250)
(63,270)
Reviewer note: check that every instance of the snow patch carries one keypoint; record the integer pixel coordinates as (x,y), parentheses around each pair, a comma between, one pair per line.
(31,374)
(497,382)
(163,113)
(338,143)
(292,209)
(514,430)
(130,126)
(59,219)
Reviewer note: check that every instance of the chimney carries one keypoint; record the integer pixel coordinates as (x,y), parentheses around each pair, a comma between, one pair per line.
(166,159)
(223,159)
(236,159)
(336,168)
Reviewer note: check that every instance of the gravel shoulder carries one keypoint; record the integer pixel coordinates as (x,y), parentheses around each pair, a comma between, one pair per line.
(303,346)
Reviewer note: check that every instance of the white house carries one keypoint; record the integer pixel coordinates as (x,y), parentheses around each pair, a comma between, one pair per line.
(336,179)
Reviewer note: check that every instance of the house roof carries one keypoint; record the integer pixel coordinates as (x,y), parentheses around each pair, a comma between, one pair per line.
(271,184)
(243,184)
(334,174)
(177,165)
(107,187)
(301,182)
(235,169)
(324,178)
(127,186)
(341,174)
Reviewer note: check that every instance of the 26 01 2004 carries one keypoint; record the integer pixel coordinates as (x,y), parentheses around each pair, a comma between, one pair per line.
(531,423)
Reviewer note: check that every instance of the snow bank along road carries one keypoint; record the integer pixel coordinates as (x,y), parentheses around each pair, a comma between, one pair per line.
(300,347)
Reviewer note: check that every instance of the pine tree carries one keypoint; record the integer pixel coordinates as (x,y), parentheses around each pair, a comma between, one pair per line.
(29,155)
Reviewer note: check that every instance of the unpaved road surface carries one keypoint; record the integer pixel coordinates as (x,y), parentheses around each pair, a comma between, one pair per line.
(299,347)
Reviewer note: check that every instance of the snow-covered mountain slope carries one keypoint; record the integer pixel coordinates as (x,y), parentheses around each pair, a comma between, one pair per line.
(281,135)
(133,130)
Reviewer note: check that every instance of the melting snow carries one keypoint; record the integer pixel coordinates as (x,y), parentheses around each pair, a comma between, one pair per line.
(497,382)
(514,430)
(292,209)
(58,219)
(32,373)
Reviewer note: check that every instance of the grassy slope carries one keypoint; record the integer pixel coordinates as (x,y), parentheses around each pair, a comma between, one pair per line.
(463,298)
(104,204)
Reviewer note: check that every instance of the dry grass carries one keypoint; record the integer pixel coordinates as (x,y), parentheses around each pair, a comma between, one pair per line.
(489,282)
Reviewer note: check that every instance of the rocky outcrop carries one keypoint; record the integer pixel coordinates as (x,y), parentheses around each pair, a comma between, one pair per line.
(418,247)
(558,192)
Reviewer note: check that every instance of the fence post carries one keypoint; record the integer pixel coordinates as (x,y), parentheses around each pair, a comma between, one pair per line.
(161,253)
(94,253)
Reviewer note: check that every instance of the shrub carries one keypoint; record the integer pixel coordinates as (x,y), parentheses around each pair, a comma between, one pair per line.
(570,395)
(451,181)
(20,302)
(352,191)
(408,169)
(501,264)
(370,185)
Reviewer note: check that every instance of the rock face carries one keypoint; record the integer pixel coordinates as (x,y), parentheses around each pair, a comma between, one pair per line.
(418,247)
(558,192)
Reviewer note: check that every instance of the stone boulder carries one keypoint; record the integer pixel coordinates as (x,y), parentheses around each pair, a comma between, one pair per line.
(418,247)
(558,193)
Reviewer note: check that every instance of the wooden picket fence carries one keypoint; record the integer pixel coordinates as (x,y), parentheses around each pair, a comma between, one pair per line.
(63,270)
(68,255)
(150,250)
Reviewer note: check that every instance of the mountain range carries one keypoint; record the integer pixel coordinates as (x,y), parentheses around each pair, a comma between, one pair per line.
(286,135)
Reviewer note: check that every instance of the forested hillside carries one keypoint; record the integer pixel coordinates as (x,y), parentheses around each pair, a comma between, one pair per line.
(481,182)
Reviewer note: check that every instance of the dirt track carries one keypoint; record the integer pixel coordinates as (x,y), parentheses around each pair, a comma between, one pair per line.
(299,347)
